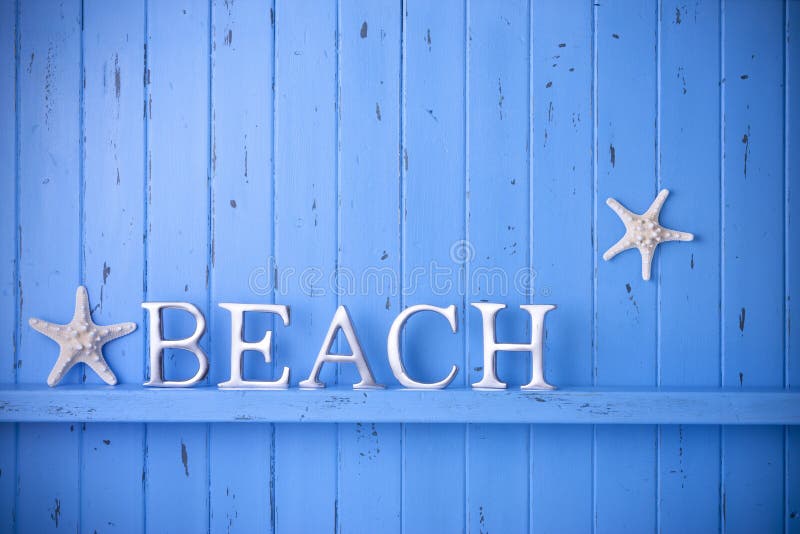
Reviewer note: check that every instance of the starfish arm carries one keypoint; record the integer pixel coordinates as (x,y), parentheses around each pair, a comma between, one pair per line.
(41,326)
(619,209)
(655,208)
(647,261)
(617,247)
(117,330)
(103,370)
(62,366)
(82,305)
(674,235)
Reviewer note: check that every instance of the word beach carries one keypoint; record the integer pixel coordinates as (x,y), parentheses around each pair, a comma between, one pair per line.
(341,322)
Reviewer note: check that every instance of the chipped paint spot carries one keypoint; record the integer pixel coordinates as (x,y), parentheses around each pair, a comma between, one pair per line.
(613,152)
(428,39)
(233,203)
(500,97)
(184,458)
(364,30)
(746,142)
(378,111)
(117,77)
(741,320)
(55,512)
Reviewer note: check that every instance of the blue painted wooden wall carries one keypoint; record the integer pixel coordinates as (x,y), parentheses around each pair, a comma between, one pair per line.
(181,150)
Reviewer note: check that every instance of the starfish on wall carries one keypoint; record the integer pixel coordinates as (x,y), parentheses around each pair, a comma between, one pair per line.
(81,341)
(643,231)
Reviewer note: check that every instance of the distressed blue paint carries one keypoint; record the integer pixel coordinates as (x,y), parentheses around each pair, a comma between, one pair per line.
(177,248)
(753,302)
(358,135)
(626,334)
(434,212)
(113,249)
(370,455)
(562,217)
(241,172)
(8,248)
(498,175)
(792,198)
(566,405)
(49,174)
(306,205)
(689,297)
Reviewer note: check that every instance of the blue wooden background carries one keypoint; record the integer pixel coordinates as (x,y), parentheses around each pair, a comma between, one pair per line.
(181,150)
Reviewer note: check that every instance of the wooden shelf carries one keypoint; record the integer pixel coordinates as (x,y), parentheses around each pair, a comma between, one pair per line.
(27,403)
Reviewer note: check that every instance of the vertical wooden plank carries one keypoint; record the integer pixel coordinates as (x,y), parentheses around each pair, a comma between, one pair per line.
(177,242)
(305,247)
(625,304)
(8,193)
(433,166)
(49,269)
(113,249)
(690,291)
(792,198)
(8,250)
(753,261)
(369,248)
(562,251)
(241,208)
(498,232)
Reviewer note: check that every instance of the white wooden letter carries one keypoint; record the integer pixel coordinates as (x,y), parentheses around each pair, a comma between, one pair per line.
(393,346)
(158,344)
(341,320)
(491,346)
(239,346)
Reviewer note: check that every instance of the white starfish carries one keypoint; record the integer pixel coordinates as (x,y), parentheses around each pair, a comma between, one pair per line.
(643,231)
(81,341)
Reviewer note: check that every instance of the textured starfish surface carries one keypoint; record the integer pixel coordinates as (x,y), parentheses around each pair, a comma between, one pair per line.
(643,232)
(81,341)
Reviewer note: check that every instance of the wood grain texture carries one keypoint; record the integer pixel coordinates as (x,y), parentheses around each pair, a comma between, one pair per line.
(333,152)
(626,305)
(49,225)
(452,405)
(752,300)
(8,251)
(240,477)
(434,223)
(689,283)
(177,243)
(113,248)
(562,217)
(792,218)
(369,255)
(306,207)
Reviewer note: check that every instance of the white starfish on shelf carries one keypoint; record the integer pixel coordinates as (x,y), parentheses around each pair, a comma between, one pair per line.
(643,231)
(81,341)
